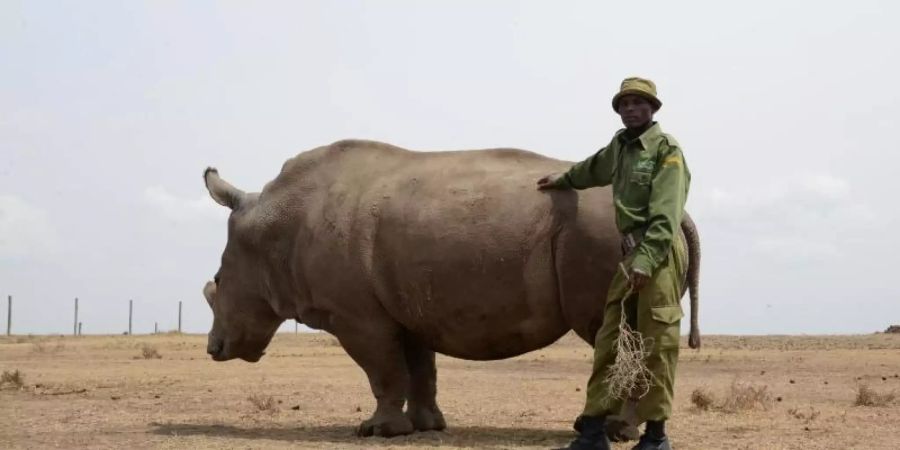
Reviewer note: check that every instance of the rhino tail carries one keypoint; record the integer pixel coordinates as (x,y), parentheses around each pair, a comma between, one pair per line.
(692,238)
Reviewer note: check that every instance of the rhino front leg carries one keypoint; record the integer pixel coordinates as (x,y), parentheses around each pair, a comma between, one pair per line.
(381,356)
(421,407)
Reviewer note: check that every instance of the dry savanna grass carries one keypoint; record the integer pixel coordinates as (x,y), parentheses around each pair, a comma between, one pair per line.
(740,396)
(866,396)
(760,392)
(12,379)
(703,399)
(262,402)
(46,347)
(150,352)
(807,415)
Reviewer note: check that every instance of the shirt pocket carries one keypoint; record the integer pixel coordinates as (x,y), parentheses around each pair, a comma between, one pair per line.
(640,178)
(637,193)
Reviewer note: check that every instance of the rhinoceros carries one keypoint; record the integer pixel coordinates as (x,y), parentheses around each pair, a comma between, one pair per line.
(401,254)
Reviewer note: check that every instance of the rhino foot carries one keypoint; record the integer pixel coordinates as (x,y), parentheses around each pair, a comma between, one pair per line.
(385,426)
(427,419)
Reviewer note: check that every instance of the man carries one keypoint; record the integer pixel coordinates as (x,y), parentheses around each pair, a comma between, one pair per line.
(650,183)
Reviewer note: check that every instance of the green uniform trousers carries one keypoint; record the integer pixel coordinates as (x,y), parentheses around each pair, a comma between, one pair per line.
(656,313)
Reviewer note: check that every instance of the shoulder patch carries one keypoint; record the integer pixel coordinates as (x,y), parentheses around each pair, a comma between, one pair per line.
(673,160)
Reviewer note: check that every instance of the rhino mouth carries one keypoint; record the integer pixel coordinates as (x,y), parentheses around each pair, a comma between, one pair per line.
(253,358)
(221,351)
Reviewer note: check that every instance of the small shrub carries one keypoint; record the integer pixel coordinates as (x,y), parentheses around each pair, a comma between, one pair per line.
(702,399)
(42,347)
(262,402)
(14,379)
(866,396)
(746,397)
(805,416)
(150,352)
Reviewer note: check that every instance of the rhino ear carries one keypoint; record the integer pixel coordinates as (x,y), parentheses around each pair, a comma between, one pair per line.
(220,190)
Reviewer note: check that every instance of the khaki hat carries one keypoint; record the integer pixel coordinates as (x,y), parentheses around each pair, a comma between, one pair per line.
(637,86)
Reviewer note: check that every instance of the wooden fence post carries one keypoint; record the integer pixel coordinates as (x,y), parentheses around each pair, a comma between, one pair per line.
(130,311)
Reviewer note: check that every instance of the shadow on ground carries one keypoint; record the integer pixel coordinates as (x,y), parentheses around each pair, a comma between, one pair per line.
(478,437)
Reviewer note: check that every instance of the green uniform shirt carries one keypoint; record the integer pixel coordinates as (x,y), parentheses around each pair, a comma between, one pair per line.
(650,183)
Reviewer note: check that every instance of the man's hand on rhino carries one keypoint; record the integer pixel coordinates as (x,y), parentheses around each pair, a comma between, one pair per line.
(549,181)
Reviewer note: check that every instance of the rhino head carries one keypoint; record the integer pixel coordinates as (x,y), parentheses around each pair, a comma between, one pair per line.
(243,320)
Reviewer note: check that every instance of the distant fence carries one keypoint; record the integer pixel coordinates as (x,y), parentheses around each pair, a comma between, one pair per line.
(77,323)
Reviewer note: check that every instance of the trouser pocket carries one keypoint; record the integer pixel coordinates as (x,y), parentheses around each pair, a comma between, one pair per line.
(665,326)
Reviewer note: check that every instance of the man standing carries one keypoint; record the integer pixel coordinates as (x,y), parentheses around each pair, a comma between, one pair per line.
(650,182)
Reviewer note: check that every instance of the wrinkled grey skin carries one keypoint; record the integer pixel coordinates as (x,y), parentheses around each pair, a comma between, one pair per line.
(402,254)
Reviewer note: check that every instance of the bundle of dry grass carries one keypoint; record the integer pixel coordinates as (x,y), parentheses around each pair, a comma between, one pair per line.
(629,375)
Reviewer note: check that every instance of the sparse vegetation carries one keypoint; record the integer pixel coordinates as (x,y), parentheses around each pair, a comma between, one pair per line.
(12,379)
(262,402)
(150,352)
(866,396)
(100,385)
(806,416)
(702,399)
(43,347)
(740,397)
(746,397)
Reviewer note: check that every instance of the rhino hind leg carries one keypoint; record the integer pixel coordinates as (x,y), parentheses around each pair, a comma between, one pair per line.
(379,355)
(421,406)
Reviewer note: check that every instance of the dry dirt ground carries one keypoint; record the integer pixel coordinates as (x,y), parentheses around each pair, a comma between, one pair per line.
(101,392)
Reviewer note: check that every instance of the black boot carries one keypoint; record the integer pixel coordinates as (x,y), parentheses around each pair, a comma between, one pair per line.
(592,434)
(654,437)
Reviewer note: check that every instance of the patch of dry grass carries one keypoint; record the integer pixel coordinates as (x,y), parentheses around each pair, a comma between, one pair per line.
(866,396)
(746,397)
(44,347)
(702,399)
(805,415)
(13,379)
(150,352)
(739,397)
(262,402)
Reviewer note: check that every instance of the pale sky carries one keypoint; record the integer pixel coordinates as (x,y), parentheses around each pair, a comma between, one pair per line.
(110,111)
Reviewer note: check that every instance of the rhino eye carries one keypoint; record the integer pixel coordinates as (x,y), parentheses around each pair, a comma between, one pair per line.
(216,279)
